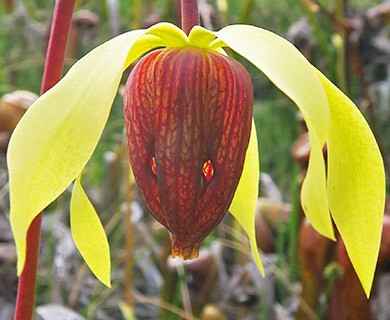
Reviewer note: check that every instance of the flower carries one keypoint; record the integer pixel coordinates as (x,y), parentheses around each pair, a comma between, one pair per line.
(58,134)
(188,116)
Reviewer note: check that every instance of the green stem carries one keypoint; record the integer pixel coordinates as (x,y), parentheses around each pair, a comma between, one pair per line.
(246,11)
(169,11)
(52,74)
(189,15)
(137,14)
(293,230)
(129,239)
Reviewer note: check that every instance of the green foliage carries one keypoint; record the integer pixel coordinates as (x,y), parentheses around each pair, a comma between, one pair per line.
(277,130)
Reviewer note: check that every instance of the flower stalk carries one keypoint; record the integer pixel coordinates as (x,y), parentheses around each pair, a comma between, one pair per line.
(55,56)
(25,299)
(129,236)
(189,15)
(52,74)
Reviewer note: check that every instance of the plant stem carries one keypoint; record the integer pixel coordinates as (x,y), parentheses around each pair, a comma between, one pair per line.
(293,230)
(342,47)
(59,34)
(246,11)
(129,238)
(27,282)
(54,63)
(189,15)
(137,14)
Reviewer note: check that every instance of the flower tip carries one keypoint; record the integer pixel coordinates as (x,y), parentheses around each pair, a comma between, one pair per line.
(367,285)
(186,252)
(107,283)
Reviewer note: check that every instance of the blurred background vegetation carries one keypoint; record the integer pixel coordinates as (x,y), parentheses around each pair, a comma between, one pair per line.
(347,39)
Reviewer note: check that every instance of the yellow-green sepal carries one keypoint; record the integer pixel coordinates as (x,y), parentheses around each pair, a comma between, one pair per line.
(245,198)
(169,33)
(57,135)
(89,235)
(356,183)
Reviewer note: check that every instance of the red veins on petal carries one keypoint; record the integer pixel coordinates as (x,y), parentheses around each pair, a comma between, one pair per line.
(188,119)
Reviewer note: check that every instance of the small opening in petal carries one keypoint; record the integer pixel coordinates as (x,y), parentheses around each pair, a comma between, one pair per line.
(208,170)
(153,165)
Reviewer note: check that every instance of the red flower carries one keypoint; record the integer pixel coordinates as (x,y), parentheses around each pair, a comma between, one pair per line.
(188,118)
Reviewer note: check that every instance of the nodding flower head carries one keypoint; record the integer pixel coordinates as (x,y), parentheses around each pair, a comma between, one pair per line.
(188,118)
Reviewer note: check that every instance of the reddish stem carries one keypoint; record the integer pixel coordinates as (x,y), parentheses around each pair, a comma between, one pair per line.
(55,55)
(189,15)
(52,74)
(27,282)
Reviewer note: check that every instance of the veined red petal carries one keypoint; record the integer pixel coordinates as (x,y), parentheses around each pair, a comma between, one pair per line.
(188,118)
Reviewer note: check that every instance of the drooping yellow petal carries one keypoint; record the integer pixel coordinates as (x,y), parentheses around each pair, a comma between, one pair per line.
(88,234)
(57,135)
(289,70)
(245,197)
(356,183)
